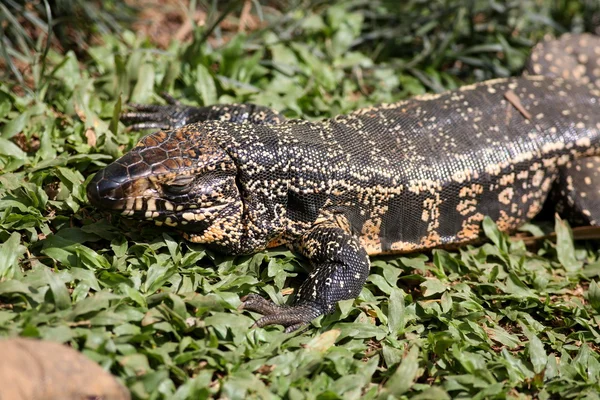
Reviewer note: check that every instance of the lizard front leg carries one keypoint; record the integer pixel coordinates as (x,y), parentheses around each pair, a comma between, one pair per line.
(340,267)
(176,114)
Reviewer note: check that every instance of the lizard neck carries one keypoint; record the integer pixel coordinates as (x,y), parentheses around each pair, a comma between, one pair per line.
(263,165)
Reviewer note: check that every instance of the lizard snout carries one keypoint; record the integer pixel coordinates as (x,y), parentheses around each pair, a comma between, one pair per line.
(104,192)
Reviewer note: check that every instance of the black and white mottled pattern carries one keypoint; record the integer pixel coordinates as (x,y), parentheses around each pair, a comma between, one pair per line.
(393,178)
(576,192)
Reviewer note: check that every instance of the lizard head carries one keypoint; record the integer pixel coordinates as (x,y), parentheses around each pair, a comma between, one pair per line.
(178,178)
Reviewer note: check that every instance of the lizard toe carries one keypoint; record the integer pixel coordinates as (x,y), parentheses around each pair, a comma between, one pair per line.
(291,317)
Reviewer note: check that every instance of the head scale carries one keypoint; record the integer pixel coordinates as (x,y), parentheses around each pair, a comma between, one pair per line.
(178,178)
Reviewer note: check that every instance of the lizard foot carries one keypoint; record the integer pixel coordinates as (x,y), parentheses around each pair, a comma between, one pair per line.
(176,114)
(149,116)
(292,317)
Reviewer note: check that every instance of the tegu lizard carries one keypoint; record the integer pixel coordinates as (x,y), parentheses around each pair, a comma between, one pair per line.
(393,178)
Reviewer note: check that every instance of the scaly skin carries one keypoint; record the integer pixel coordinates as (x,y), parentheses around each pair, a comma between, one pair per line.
(176,115)
(395,178)
(575,194)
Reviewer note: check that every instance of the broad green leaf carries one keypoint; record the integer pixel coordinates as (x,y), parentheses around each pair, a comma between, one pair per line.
(8,148)
(396,312)
(594,295)
(10,251)
(62,299)
(205,85)
(433,286)
(403,379)
(564,246)
(493,233)
(324,341)
(157,276)
(11,129)
(144,87)
(537,354)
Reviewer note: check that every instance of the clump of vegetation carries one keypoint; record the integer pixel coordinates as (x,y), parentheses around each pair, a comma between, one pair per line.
(496,320)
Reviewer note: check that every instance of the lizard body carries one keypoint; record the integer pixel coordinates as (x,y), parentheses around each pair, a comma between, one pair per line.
(394,178)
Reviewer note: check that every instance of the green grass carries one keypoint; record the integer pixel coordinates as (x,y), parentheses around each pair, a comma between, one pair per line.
(494,321)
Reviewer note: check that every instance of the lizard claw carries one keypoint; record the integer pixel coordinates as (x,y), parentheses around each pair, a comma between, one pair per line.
(291,317)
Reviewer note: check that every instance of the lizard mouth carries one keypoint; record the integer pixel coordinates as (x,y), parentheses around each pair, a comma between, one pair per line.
(108,193)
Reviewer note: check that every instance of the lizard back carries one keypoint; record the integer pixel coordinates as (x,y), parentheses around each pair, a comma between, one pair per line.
(424,172)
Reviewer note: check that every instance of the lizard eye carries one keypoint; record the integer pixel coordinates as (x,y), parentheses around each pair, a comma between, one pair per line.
(179,186)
